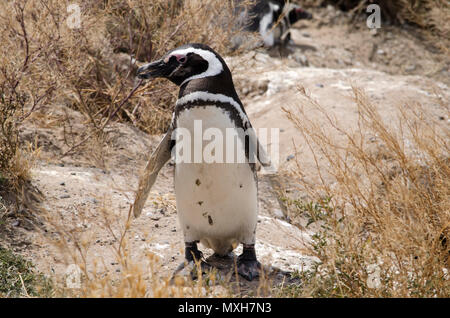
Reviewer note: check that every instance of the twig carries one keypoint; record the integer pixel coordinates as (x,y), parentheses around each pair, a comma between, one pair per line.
(23,286)
(107,120)
(36,102)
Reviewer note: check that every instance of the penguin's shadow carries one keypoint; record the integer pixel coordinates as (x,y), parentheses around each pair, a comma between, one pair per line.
(270,276)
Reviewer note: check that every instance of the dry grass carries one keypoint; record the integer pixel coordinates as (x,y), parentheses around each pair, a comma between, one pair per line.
(91,69)
(383,222)
(144,277)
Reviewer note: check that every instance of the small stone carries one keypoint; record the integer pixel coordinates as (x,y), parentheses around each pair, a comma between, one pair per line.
(410,68)
(278,213)
(64,196)
(73,173)
(380,52)
(320,85)
(301,59)
(15,223)
(290,157)
(162,211)
(62,184)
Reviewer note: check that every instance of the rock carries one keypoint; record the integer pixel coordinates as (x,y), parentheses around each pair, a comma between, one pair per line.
(300,59)
(64,196)
(162,211)
(410,68)
(290,157)
(278,213)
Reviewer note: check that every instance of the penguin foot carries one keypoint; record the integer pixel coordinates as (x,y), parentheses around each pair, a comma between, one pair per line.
(247,264)
(192,269)
(248,269)
(193,263)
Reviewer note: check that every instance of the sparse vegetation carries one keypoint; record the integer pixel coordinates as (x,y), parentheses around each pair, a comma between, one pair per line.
(17,277)
(389,212)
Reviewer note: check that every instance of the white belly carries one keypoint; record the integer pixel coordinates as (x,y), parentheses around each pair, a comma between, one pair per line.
(216,202)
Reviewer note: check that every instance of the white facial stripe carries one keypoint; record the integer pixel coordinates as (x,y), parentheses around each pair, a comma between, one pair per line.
(273,6)
(205,96)
(266,20)
(215,67)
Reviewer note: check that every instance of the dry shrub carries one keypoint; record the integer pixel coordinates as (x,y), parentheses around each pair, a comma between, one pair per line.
(23,89)
(383,222)
(92,67)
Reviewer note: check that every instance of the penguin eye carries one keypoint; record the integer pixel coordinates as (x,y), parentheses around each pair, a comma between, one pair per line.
(181,59)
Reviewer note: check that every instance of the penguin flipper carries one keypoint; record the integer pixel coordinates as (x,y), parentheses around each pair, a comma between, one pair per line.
(261,154)
(157,160)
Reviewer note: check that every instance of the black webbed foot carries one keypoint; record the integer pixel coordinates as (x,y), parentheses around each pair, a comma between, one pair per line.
(193,257)
(247,264)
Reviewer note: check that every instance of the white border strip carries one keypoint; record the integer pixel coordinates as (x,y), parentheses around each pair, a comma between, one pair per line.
(215,67)
(206,96)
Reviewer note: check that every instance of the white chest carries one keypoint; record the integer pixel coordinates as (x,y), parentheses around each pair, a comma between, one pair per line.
(214,199)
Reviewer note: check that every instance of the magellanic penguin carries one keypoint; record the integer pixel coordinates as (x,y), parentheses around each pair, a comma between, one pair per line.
(272,19)
(216,200)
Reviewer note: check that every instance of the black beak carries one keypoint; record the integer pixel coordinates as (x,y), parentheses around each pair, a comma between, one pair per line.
(308,15)
(153,70)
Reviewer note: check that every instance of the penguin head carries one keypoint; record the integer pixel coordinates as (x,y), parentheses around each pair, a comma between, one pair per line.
(296,13)
(185,63)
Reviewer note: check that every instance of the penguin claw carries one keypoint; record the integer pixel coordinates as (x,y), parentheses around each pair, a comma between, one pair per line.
(249,269)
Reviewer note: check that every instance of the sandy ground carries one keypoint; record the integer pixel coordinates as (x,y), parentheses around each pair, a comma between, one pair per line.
(89,195)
